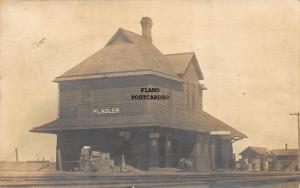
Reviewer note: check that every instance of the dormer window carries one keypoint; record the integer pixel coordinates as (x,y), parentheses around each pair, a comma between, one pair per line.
(187,94)
(190,95)
(193,95)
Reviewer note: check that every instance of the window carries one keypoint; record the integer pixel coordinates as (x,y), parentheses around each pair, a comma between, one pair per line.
(190,95)
(193,96)
(187,94)
(200,99)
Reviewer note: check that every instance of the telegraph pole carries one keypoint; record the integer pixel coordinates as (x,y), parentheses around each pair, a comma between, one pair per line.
(298,120)
(17,157)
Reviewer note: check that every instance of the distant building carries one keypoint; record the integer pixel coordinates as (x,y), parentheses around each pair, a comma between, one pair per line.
(284,159)
(129,99)
(255,158)
(263,159)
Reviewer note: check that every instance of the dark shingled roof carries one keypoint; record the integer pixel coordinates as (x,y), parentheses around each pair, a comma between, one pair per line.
(285,152)
(181,61)
(204,123)
(257,150)
(116,122)
(96,123)
(125,52)
(209,122)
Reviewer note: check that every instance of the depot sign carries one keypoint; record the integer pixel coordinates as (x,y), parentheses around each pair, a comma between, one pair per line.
(102,111)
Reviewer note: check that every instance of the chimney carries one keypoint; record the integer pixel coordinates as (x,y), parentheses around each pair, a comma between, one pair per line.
(286,146)
(146,23)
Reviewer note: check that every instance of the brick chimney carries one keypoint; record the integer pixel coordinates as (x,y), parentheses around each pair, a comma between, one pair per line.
(146,23)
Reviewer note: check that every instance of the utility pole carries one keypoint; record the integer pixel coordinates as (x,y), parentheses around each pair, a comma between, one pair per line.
(298,120)
(17,157)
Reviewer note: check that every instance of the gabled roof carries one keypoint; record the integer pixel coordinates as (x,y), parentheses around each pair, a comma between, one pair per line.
(285,152)
(256,150)
(126,52)
(181,61)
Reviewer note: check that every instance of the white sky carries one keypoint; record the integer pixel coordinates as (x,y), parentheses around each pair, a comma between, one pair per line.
(248,52)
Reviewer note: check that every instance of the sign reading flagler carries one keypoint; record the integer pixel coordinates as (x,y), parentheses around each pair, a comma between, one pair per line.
(112,110)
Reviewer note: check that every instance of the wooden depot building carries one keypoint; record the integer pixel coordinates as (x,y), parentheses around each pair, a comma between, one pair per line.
(130,99)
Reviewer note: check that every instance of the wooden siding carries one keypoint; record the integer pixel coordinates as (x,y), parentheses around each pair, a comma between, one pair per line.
(105,83)
(176,108)
(68,98)
(79,98)
(115,95)
(178,98)
(69,112)
(85,111)
(106,98)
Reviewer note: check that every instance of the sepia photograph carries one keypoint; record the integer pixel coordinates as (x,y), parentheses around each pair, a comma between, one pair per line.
(150,94)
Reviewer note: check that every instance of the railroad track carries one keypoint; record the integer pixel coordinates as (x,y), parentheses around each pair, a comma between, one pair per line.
(143,181)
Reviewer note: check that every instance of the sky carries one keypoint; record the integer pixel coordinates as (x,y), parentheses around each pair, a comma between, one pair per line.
(248,52)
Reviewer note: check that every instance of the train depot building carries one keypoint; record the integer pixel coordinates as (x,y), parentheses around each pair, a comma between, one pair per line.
(129,99)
